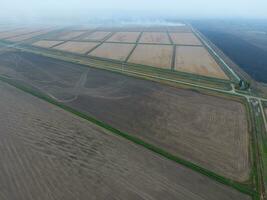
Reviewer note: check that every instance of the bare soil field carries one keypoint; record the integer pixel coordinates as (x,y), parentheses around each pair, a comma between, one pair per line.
(206,130)
(185,39)
(153,55)
(76,47)
(154,37)
(197,60)
(69,35)
(96,36)
(46,43)
(113,51)
(124,37)
(50,154)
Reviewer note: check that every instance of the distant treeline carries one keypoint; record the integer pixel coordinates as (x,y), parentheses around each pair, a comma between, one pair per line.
(250,58)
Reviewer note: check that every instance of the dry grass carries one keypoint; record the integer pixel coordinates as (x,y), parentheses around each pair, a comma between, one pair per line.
(185,39)
(154,37)
(124,37)
(153,55)
(113,51)
(197,60)
(76,47)
(96,36)
(70,35)
(46,43)
(47,153)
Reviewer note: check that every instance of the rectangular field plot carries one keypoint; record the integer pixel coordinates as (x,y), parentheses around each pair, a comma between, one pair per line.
(96,36)
(76,47)
(154,37)
(152,55)
(69,35)
(209,131)
(124,37)
(113,51)
(53,154)
(197,60)
(46,43)
(185,39)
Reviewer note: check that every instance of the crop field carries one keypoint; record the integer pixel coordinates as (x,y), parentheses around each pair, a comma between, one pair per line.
(185,39)
(113,51)
(52,154)
(153,55)
(96,36)
(197,60)
(76,47)
(179,121)
(69,35)
(155,37)
(124,37)
(46,43)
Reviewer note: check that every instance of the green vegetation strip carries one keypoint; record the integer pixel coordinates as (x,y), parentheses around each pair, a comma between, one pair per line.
(238,186)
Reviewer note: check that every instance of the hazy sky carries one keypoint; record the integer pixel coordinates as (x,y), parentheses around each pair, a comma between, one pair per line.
(30,9)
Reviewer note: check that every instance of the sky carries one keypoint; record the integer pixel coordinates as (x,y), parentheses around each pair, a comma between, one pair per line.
(80,9)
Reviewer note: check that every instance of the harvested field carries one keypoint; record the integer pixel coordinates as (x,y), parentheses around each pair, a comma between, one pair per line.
(124,37)
(185,39)
(76,47)
(96,36)
(197,60)
(27,36)
(50,154)
(46,43)
(206,130)
(153,55)
(70,35)
(113,51)
(179,29)
(154,37)
(17,32)
(155,28)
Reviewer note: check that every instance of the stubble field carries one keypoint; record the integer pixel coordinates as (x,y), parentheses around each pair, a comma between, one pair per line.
(206,130)
(96,36)
(152,55)
(197,60)
(154,37)
(124,37)
(185,39)
(113,51)
(46,43)
(69,35)
(76,47)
